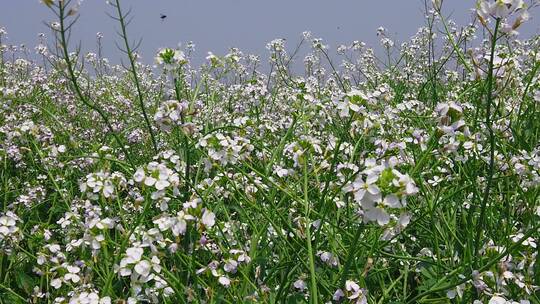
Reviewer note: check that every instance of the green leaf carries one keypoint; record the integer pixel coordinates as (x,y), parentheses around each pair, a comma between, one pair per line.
(25,282)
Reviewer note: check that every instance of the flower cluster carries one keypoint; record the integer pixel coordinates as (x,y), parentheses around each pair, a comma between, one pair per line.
(352,292)
(103,184)
(159,178)
(170,113)
(229,266)
(225,149)
(335,174)
(502,9)
(170,59)
(380,189)
(10,234)
(142,271)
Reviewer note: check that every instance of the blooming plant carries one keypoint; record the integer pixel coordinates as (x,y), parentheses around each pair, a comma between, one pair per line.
(412,177)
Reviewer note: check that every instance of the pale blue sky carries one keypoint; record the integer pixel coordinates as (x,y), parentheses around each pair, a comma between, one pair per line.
(216,25)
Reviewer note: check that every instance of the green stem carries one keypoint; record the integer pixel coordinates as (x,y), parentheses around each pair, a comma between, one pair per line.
(489,101)
(350,257)
(313,279)
(129,53)
(75,84)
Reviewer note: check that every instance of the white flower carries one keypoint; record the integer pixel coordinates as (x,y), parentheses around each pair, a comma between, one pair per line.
(280,171)
(225,281)
(170,113)
(537,96)
(377,214)
(364,190)
(162,184)
(139,175)
(435,181)
(105,300)
(125,272)
(164,223)
(56,283)
(300,285)
(351,285)
(338,295)
(180,223)
(170,58)
(89,298)
(143,268)
(349,102)
(103,183)
(73,269)
(392,201)
(156,264)
(71,276)
(527,242)
(498,8)
(134,254)
(149,181)
(208,218)
(354,292)
(404,220)
(161,178)
(7,225)
(54,248)
(230,266)
(328,258)
(405,182)
(497,300)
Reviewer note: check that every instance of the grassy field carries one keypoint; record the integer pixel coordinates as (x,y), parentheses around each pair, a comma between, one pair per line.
(411,177)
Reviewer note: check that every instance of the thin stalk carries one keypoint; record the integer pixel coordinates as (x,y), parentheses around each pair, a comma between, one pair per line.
(336,74)
(9,290)
(438,287)
(133,70)
(489,101)
(455,46)
(350,257)
(313,279)
(76,87)
(185,142)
